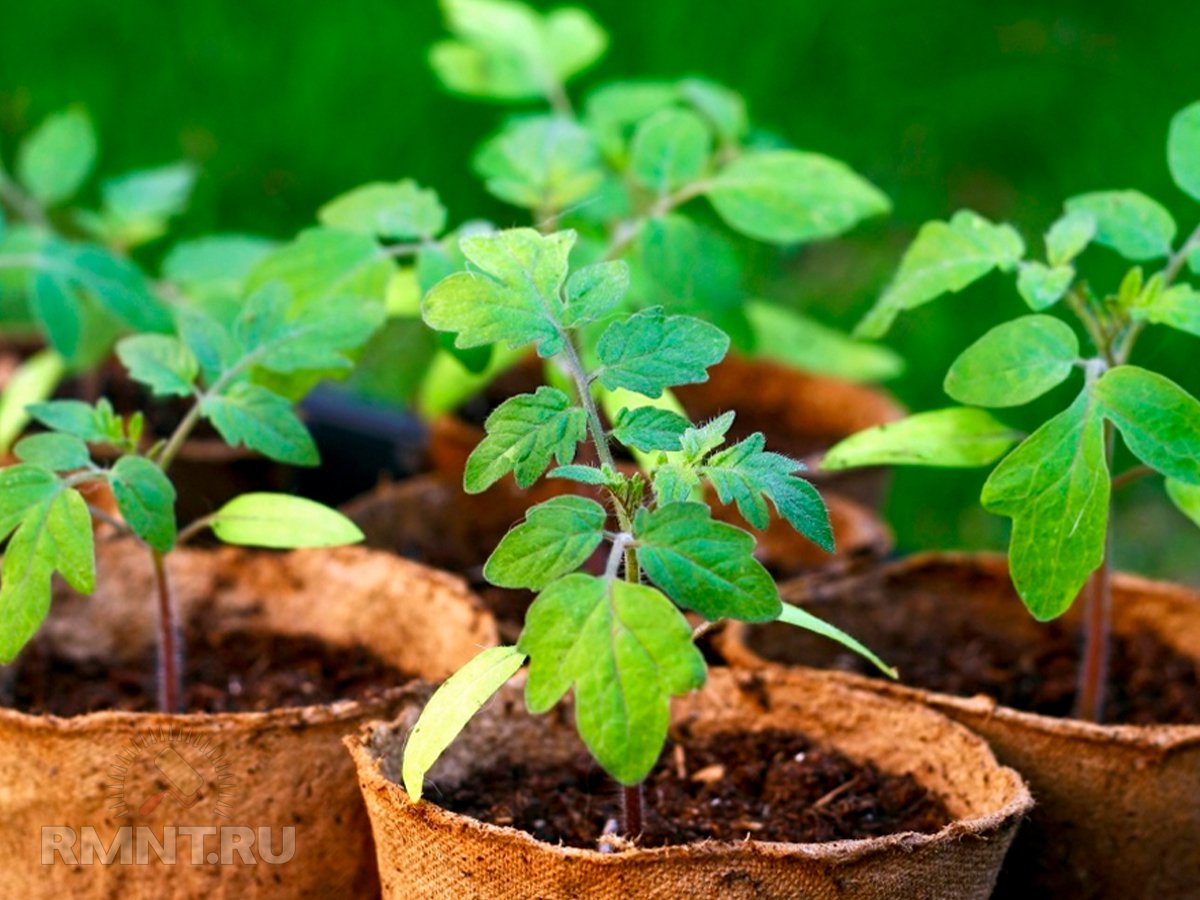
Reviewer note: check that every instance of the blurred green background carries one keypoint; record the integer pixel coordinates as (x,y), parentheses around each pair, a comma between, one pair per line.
(1006,107)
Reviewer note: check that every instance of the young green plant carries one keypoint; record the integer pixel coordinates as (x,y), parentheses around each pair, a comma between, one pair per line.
(627,173)
(65,272)
(230,374)
(620,638)
(1056,485)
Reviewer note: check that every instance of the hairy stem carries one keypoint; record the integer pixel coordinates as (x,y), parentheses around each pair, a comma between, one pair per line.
(1093,674)
(170,655)
(176,441)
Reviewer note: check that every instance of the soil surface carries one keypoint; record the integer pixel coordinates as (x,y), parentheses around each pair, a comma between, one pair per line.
(1150,683)
(768,785)
(235,671)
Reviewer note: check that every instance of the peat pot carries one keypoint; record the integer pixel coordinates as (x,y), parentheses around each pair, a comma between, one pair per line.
(428,852)
(271,793)
(1117,813)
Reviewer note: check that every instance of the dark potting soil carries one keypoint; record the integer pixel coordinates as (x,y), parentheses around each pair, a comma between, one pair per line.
(235,671)
(1149,682)
(769,786)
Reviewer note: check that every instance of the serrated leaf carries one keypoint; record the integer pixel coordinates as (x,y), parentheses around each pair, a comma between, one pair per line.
(1014,363)
(556,538)
(1177,307)
(514,297)
(700,440)
(112,281)
(398,211)
(650,351)
(594,291)
(33,381)
(1183,149)
(210,342)
(1129,222)
(282,521)
(326,263)
(674,483)
(315,338)
(450,708)
(784,335)
(649,428)
(958,437)
(162,363)
(802,618)
(524,433)
(669,149)
(626,650)
(1186,498)
(249,414)
(1158,420)
(146,499)
(543,163)
(56,534)
(1068,237)
(71,417)
(746,475)
(704,565)
(1041,286)
(581,474)
(785,196)
(507,51)
(23,487)
(944,258)
(56,452)
(55,160)
(1055,487)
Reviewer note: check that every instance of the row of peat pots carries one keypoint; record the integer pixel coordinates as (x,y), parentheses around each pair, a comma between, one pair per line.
(780,780)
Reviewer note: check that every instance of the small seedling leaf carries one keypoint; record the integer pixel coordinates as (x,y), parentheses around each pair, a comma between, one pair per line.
(55,160)
(1159,420)
(524,433)
(401,211)
(1014,363)
(162,363)
(146,499)
(650,351)
(649,428)
(802,618)
(1129,222)
(557,537)
(282,521)
(249,414)
(1183,149)
(958,437)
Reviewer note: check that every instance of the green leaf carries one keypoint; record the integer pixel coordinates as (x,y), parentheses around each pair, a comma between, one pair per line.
(57,158)
(524,433)
(1159,420)
(146,499)
(74,417)
(1183,149)
(1014,363)
(282,521)
(614,108)
(250,414)
(747,475)
(802,618)
(56,534)
(675,483)
(945,258)
(1055,487)
(326,263)
(1041,286)
(651,351)
(557,537)
(1176,307)
(626,650)
(594,291)
(723,108)
(648,428)
(703,564)
(543,163)
(217,262)
(1129,222)
(507,51)
(56,452)
(785,336)
(23,487)
(162,363)
(1068,237)
(138,204)
(785,196)
(1186,498)
(670,149)
(31,383)
(398,211)
(450,708)
(514,297)
(582,474)
(315,338)
(958,437)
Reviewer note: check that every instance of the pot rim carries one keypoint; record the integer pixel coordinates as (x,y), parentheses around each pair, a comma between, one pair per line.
(1159,739)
